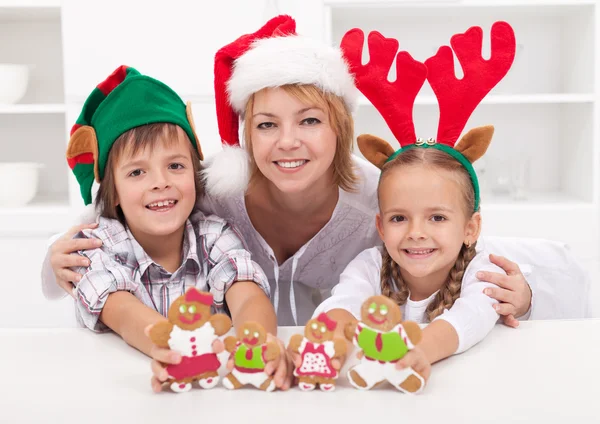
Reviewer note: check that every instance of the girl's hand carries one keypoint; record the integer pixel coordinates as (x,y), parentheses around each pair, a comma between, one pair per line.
(282,368)
(62,256)
(416,360)
(513,291)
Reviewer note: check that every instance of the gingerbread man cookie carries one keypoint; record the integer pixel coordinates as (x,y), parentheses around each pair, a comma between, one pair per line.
(251,352)
(192,331)
(317,348)
(383,339)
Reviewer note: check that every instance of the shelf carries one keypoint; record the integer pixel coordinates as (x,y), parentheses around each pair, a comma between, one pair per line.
(508,99)
(39,217)
(549,6)
(22,109)
(29,4)
(29,10)
(536,201)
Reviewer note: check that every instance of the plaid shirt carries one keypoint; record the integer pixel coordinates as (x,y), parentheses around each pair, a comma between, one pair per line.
(214,257)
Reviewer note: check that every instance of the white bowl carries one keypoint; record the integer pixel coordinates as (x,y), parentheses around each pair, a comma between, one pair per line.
(18,183)
(13,82)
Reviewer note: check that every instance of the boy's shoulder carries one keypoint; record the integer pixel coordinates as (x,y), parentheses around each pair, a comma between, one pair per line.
(204,223)
(110,231)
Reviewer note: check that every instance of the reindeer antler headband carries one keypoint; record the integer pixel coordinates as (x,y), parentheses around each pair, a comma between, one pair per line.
(457,98)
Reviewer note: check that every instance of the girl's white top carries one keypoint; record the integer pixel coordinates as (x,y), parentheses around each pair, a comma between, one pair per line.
(472,315)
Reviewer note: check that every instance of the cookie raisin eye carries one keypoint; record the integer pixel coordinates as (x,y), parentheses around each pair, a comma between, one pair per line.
(323,329)
(383,310)
(246,332)
(372,308)
(314,326)
(192,309)
(256,334)
(183,309)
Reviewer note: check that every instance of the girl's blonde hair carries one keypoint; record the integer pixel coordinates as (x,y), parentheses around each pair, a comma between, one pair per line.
(392,284)
(340,120)
(130,143)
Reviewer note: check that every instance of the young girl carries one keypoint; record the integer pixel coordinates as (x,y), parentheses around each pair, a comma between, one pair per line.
(429,219)
(136,138)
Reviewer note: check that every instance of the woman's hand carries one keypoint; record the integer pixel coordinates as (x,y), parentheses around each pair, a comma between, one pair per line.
(281,368)
(63,256)
(513,291)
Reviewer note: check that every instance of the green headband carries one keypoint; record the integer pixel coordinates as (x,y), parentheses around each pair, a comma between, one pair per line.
(452,152)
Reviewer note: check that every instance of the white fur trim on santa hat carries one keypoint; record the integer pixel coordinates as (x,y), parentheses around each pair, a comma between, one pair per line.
(227,173)
(292,59)
(88,214)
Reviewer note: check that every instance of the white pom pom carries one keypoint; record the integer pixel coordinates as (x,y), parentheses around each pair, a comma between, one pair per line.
(227,173)
(88,215)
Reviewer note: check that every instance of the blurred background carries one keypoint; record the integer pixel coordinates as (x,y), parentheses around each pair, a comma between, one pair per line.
(540,177)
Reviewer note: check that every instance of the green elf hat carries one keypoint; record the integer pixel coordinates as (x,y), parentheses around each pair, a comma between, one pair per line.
(125,100)
(457,98)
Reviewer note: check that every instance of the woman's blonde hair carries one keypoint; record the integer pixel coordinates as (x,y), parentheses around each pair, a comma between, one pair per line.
(392,284)
(130,143)
(340,120)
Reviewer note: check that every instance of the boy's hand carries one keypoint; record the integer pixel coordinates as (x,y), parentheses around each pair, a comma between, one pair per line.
(161,357)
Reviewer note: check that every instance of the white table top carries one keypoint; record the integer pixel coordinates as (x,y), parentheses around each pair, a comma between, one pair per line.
(544,371)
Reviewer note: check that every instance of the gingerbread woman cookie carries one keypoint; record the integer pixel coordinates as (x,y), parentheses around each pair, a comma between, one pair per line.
(383,339)
(192,331)
(251,352)
(317,348)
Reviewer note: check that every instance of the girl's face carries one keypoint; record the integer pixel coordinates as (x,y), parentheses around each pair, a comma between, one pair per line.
(422,220)
(293,143)
(155,188)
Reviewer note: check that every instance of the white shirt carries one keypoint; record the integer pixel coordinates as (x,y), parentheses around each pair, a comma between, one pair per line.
(472,315)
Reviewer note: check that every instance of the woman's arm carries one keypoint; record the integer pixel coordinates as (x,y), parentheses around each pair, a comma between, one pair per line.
(248,302)
(57,275)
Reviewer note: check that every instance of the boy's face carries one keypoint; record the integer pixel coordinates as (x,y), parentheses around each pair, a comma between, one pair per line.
(422,221)
(155,188)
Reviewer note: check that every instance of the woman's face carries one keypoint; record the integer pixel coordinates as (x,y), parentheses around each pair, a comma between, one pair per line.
(293,143)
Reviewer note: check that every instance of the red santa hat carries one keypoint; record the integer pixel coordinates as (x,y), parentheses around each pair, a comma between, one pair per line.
(195,295)
(271,57)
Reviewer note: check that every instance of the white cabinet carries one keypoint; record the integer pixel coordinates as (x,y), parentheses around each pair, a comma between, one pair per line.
(73,45)
(34,129)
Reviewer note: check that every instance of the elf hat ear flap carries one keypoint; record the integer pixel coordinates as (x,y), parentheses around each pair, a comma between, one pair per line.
(374,149)
(474,144)
(190,118)
(82,157)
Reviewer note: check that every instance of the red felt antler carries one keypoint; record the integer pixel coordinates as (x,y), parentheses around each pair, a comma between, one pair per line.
(458,98)
(394,100)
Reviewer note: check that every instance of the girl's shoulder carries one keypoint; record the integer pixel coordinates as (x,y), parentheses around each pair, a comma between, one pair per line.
(370,258)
